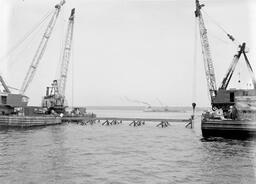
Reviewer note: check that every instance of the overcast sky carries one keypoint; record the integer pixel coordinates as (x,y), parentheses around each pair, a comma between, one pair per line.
(141,49)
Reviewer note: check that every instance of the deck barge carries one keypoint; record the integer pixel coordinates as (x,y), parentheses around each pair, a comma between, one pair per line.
(28,121)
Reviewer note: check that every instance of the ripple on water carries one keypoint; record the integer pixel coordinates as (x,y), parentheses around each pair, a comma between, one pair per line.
(123,154)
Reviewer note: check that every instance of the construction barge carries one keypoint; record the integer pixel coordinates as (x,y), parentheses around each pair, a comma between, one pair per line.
(233,113)
(14,111)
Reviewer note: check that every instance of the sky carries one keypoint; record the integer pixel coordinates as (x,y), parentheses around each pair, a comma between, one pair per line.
(141,49)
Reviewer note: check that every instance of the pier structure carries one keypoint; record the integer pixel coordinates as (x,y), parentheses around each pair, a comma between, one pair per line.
(135,122)
(163,124)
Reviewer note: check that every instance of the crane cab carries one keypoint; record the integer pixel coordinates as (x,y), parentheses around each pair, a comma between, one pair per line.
(226,98)
(9,102)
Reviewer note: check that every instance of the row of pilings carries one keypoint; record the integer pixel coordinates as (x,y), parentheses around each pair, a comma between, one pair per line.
(133,123)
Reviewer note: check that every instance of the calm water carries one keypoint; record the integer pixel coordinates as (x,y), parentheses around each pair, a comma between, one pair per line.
(73,153)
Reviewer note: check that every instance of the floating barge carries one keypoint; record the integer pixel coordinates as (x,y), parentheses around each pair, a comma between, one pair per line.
(228,128)
(15,113)
(28,121)
(238,122)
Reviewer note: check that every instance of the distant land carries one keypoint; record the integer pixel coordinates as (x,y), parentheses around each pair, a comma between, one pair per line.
(174,108)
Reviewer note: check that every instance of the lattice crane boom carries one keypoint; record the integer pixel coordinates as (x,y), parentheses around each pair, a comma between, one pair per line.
(250,70)
(66,55)
(55,95)
(208,64)
(41,48)
(231,68)
(6,88)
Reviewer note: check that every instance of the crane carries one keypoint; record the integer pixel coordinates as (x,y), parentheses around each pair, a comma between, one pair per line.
(222,98)
(55,95)
(208,64)
(41,48)
(66,55)
(232,67)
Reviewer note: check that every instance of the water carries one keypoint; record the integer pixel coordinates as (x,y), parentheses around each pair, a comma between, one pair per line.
(73,153)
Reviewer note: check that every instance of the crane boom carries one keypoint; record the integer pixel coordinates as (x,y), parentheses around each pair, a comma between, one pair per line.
(232,67)
(208,64)
(250,70)
(6,88)
(55,95)
(66,55)
(41,48)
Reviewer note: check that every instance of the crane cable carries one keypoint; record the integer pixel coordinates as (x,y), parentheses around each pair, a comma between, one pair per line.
(27,46)
(195,62)
(61,46)
(217,38)
(221,28)
(237,43)
(26,36)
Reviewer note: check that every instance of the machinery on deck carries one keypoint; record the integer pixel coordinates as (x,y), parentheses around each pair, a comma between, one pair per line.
(55,95)
(233,110)
(13,107)
(11,103)
(221,98)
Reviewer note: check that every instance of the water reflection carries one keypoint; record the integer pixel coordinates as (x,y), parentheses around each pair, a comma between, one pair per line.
(56,156)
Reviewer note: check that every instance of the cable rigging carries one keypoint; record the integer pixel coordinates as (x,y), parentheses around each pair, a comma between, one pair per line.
(231,37)
(195,62)
(41,48)
(26,36)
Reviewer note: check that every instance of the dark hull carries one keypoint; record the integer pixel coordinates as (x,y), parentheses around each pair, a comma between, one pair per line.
(241,129)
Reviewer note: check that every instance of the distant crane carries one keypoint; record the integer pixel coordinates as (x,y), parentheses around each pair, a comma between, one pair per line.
(55,95)
(41,49)
(165,108)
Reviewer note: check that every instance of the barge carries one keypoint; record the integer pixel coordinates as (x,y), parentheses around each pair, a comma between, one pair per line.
(28,121)
(14,111)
